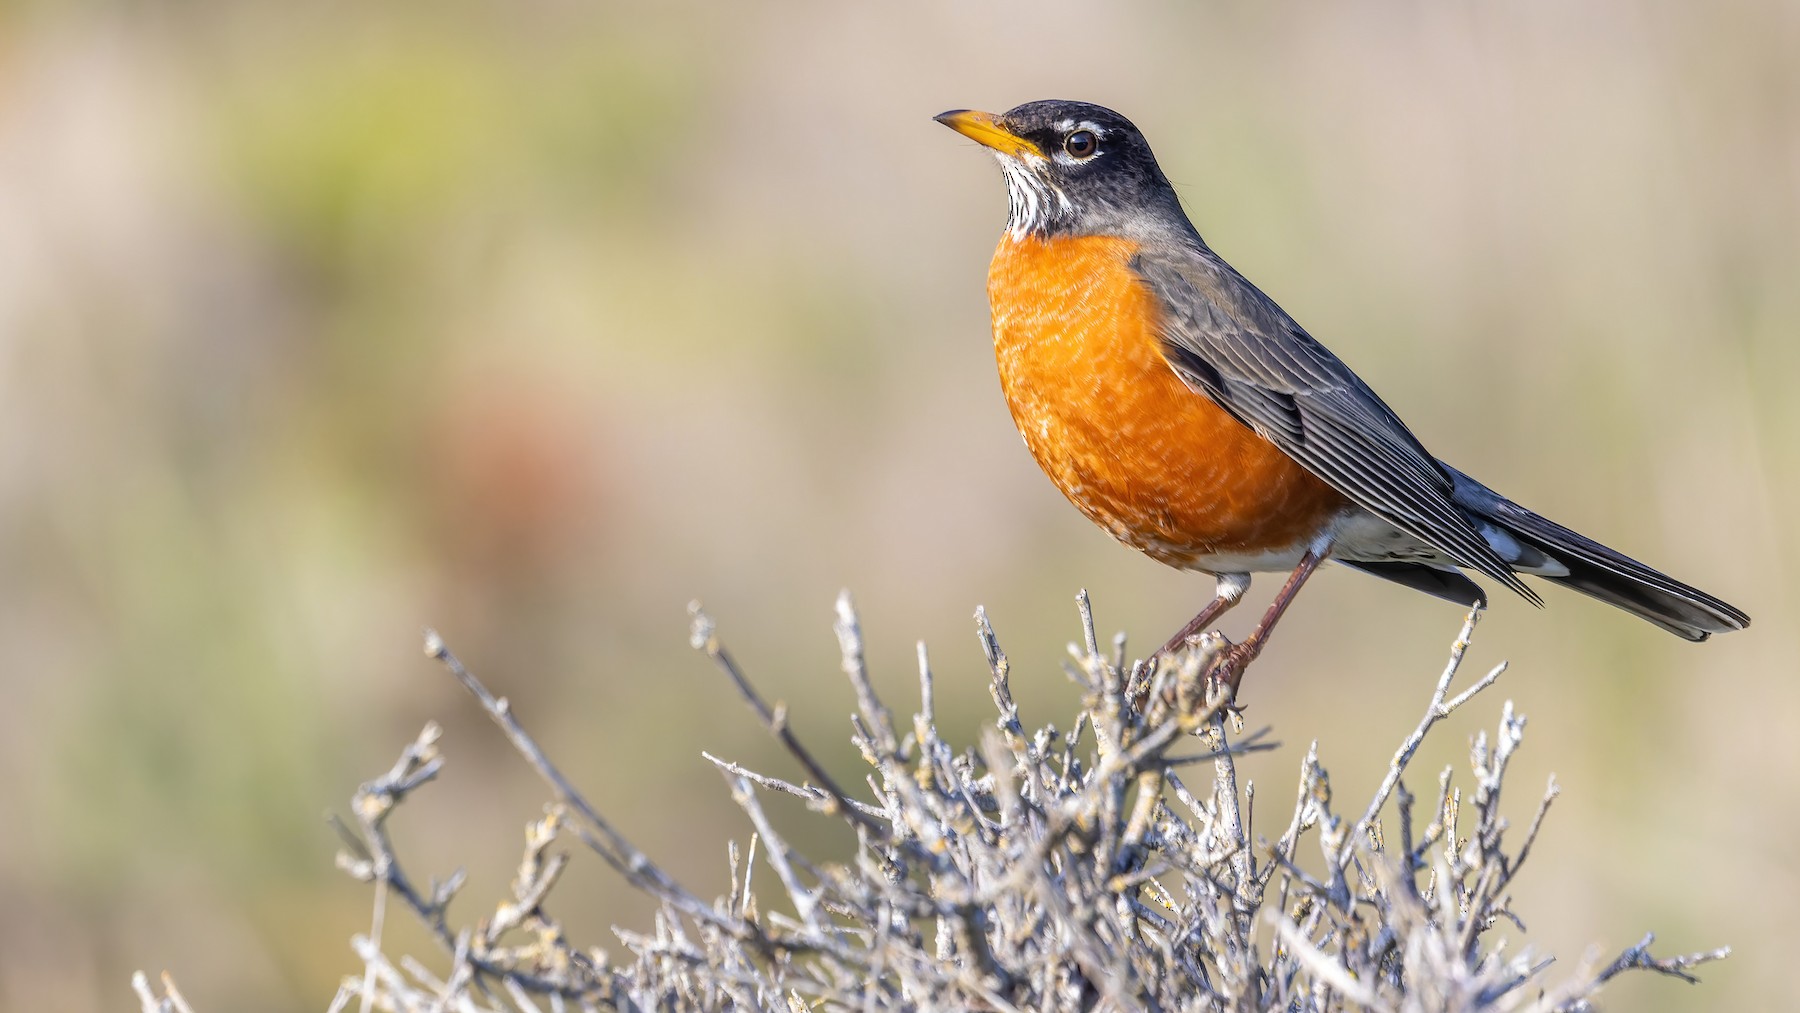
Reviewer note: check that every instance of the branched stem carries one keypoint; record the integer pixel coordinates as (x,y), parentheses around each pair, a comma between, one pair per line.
(1039,871)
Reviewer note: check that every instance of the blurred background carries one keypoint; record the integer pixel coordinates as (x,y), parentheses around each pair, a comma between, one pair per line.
(533,321)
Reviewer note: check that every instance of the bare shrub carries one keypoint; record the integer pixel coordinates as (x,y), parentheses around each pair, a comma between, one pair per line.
(1037,870)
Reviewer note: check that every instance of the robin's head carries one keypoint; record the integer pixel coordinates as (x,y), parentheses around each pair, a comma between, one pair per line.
(1073,168)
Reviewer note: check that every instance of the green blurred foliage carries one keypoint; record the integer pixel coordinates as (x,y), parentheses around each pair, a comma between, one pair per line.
(530,322)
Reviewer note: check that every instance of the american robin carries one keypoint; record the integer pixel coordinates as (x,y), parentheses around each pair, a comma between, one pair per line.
(1186,413)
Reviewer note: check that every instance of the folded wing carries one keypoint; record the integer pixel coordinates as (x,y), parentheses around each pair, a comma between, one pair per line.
(1232,343)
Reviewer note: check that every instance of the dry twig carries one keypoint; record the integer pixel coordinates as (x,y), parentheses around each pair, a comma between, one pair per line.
(1042,871)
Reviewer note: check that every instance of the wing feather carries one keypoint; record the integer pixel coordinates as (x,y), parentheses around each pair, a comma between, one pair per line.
(1229,341)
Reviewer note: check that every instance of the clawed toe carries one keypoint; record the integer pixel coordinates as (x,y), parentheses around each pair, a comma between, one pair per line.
(1228,670)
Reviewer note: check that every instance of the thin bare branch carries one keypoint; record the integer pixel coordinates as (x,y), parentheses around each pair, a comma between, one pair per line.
(1039,871)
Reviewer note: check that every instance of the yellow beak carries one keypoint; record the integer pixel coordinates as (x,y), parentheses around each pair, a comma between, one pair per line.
(986,129)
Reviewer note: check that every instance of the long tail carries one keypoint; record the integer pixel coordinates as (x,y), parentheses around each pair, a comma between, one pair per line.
(1576,561)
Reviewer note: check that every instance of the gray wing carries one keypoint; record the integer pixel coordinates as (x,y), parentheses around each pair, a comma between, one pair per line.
(1228,340)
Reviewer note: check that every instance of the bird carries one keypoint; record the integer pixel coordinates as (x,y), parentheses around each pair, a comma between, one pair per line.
(1189,416)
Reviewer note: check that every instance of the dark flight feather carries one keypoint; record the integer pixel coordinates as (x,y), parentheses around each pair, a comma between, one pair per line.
(1228,340)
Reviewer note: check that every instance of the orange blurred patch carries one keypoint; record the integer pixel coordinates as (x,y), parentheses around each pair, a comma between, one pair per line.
(516,476)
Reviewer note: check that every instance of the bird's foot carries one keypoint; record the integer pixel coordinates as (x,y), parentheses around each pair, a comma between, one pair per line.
(1185,662)
(1227,670)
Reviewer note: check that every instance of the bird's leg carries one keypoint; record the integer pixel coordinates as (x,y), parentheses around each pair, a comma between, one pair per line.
(1231,588)
(1229,669)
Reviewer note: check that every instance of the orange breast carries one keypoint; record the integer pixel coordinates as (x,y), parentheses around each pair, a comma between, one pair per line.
(1155,463)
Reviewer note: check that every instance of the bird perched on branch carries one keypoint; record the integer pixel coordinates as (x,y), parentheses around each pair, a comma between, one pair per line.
(1186,413)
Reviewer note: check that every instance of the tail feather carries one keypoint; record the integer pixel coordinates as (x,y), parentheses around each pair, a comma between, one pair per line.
(1449,585)
(1604,573)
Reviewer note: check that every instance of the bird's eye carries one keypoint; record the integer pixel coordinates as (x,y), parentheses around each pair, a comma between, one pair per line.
(1081,144)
